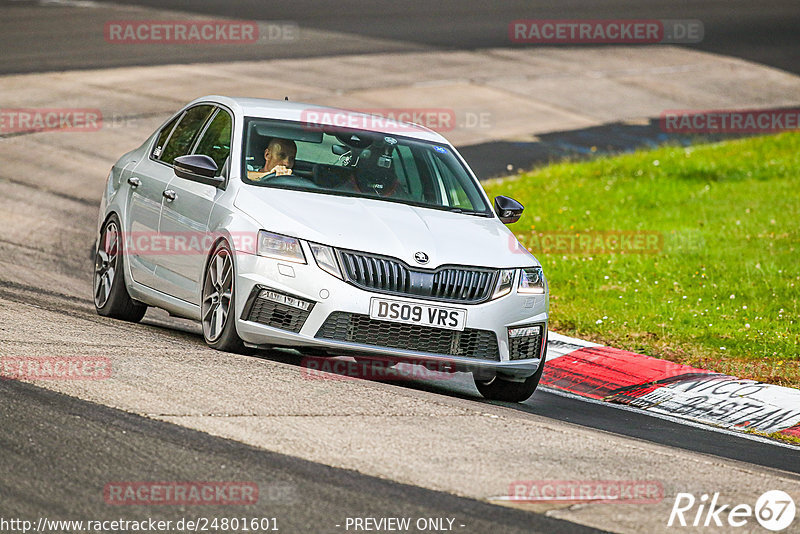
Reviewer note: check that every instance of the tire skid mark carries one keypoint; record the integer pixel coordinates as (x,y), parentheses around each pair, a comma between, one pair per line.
(65,305)
(63,308)
(23,245)
(59,194)
(9,284)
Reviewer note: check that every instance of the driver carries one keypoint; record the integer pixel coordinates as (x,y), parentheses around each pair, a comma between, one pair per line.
(278,157)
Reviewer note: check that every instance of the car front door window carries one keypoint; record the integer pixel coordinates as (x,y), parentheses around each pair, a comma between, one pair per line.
(216,140)
(184,134)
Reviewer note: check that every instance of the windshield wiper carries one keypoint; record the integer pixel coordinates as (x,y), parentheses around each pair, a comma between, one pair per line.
(469,212)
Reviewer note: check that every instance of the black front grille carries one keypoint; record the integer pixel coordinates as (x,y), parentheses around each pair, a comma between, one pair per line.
(388,275)
(277,315)
(356,328)
(525,347)
(463,285)
(374,272)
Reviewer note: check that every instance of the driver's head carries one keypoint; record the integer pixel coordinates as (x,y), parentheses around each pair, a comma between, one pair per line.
(280,152)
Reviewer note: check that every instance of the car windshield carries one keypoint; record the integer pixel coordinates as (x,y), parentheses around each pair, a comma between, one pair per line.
(358,163)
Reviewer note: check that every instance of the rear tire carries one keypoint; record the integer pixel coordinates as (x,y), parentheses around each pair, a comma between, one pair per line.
(218,307)
(501,389)
(111,298)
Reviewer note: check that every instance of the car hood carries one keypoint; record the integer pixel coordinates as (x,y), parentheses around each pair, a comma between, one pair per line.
(385,228)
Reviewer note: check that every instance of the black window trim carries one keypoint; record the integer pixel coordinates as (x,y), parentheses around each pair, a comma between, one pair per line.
(203,130)
(217,107)
(247,119)
(183,113)
(177,116)
(232,115)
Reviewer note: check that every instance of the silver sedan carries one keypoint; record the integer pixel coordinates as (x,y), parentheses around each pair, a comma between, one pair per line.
(332,232)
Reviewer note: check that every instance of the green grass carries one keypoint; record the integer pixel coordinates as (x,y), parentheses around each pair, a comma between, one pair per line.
(720,290)
(775,435)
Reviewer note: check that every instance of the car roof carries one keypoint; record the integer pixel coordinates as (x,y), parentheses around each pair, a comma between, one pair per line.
(322,115)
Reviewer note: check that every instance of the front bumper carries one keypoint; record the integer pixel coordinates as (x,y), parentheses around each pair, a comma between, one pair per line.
(336,320)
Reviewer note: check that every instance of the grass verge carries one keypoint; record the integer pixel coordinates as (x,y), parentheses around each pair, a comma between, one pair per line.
(688,254)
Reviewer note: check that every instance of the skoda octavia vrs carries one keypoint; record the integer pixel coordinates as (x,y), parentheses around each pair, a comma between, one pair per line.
(332,232)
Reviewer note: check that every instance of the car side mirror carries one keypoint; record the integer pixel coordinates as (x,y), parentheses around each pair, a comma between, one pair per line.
(508,209)
(198,168)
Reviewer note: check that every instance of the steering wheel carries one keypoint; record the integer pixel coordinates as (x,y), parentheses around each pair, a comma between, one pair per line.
(271,175)
(295,179)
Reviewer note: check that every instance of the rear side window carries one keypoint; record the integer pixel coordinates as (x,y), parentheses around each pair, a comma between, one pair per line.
(216,140)
(184,134)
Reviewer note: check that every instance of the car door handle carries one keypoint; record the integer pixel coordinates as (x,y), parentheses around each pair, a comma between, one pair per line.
(169,194)
(134,181)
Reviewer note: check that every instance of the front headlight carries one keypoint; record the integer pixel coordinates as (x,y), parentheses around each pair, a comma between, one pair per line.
(280,247)
(326,259)
(531,281)
(504,283)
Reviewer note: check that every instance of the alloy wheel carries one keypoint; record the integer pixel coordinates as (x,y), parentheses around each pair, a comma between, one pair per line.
(105,263)
(217,292)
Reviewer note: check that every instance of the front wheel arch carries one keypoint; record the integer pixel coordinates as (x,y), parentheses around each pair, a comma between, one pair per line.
(506,390)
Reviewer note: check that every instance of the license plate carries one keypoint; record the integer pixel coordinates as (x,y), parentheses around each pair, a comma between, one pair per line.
(420,314)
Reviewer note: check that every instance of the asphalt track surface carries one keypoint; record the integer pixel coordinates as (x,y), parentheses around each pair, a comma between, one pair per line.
(39,35)
(635,424)
(765,32)
(60,452)
(615,419)
(52,35)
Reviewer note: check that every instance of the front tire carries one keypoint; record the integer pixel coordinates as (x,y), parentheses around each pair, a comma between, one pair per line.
(218,307)
(505,390)
(111,298)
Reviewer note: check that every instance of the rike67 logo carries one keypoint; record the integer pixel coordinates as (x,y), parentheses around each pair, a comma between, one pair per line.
(774,510)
